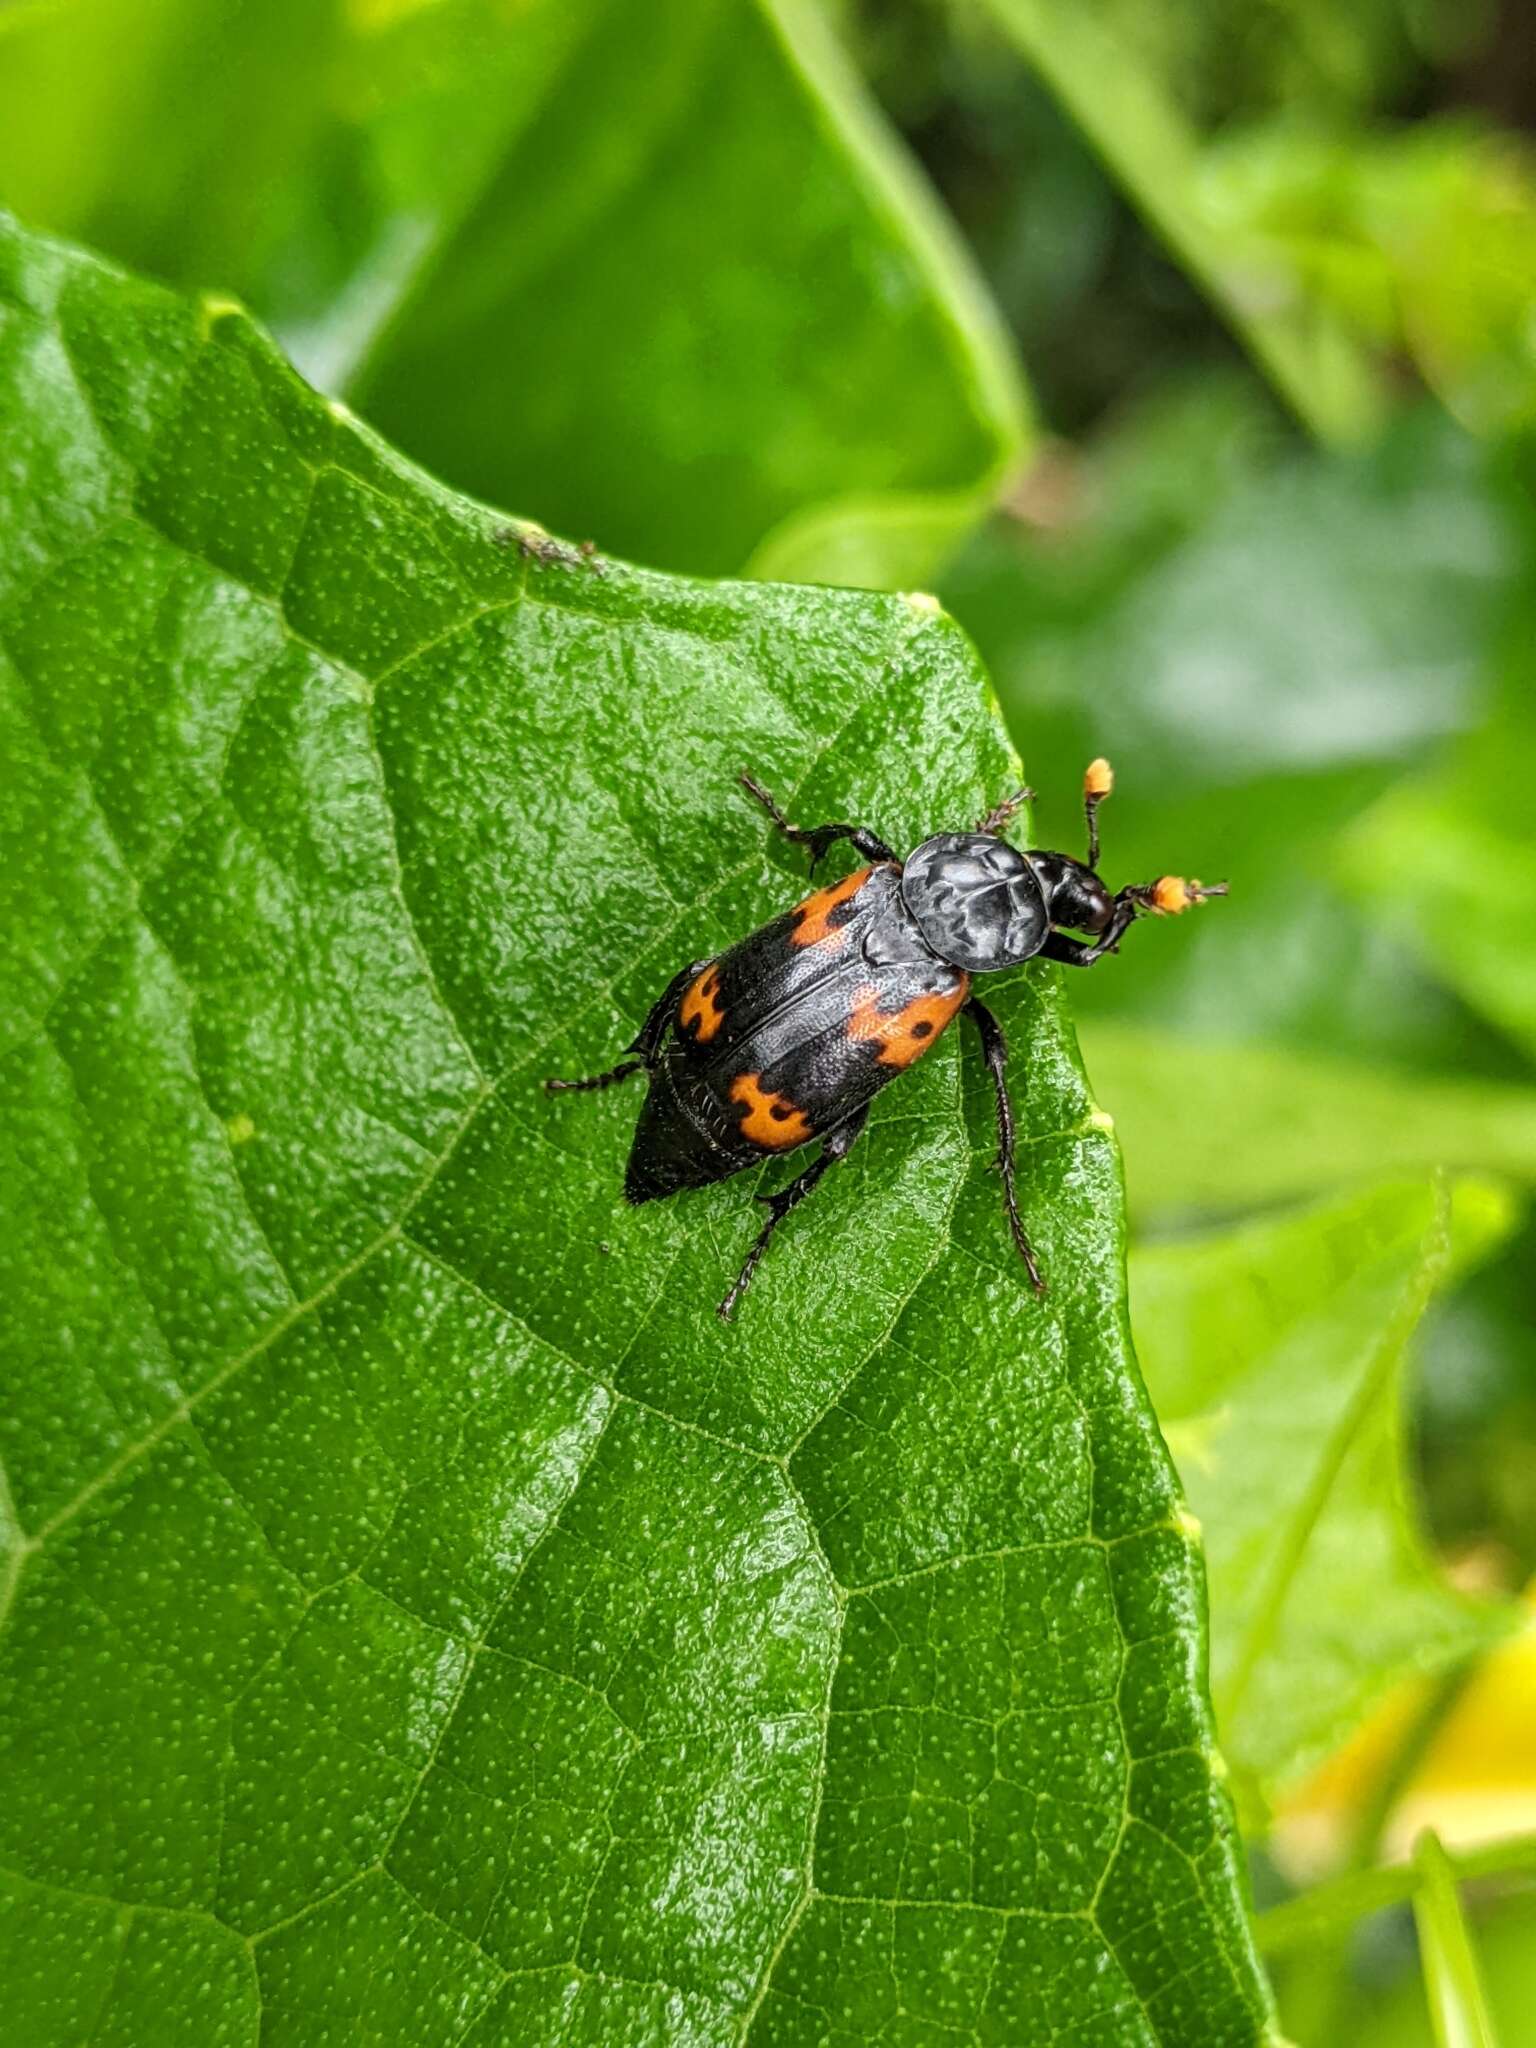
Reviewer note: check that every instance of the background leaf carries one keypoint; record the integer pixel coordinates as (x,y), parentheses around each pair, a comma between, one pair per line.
(1420,239)
(1218,1129)
(424,1619)
(681,319)
(1451,859)
(1274,1354)
(1107,78)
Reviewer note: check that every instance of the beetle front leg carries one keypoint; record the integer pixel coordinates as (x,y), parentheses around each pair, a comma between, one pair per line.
(819,837)
(835,1145)
(994,1049)
(1070,952)
(646,1043)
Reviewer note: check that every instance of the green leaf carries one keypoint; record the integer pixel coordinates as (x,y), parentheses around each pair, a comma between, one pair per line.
(1134,123)
(1314,1916)
(682,320)
(426,1620)
(1220,612)
(1220,1128)
(1451,858)
(1395,2015)
(1275,1356)
(1421,240)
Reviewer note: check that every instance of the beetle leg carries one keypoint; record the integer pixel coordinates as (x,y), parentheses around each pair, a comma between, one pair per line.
(994,1049)
(646,1042)
(819,837)
(554,1085)
(1000,814)
(1070,952)
(835,1146)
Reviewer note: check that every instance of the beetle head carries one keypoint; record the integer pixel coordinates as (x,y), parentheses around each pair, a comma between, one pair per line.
(1077,898)
(1074,895)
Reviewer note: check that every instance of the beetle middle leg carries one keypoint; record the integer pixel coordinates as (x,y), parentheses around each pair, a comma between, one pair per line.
(819,837)
(646,1043)
(994,1048)
(835,1145)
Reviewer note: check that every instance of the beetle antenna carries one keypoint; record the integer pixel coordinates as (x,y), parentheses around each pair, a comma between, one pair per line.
(1170,894)
(1098,781)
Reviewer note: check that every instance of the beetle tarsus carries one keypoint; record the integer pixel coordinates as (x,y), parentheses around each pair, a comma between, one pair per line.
(645,1046)
(1000,814)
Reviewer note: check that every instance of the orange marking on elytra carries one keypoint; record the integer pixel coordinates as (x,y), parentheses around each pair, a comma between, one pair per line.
(901,1036)
(812,917)
(771,1120)
(701,1007)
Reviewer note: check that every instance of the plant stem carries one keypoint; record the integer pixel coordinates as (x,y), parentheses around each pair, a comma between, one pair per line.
(1351,1898)
(1458,2007)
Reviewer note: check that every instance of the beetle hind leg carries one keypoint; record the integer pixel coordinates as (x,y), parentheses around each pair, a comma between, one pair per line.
(645,1046)
(994,1048)
(835,1146)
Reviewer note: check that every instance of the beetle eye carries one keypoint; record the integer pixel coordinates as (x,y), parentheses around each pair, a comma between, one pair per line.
(1098,908)
(1082,903)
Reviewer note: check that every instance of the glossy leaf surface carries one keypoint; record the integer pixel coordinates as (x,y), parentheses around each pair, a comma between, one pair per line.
(424,1620)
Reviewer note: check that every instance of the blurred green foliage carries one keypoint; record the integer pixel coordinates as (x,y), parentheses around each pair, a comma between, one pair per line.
(1274,1354)
(673,280)
(530,238)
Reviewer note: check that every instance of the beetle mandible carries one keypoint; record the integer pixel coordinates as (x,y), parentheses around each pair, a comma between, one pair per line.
(788,1035)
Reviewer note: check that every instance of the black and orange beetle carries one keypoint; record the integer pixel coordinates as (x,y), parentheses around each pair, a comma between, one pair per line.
(788,1035)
